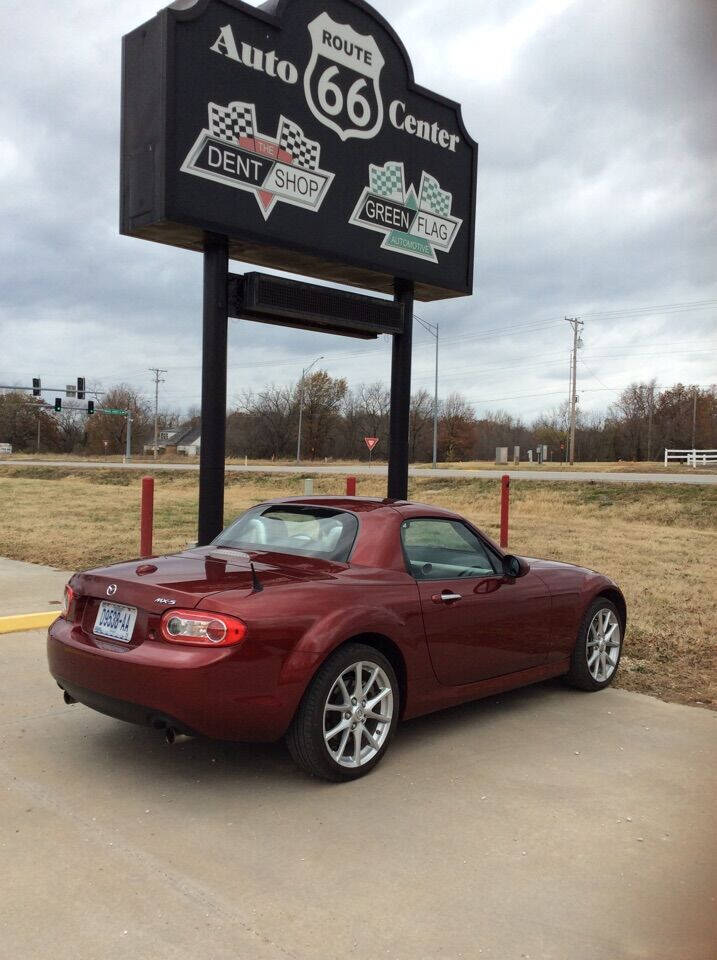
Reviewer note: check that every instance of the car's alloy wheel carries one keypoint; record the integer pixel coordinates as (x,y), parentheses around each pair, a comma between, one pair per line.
(603,644)
(358,714)
(347,715)
(598,647)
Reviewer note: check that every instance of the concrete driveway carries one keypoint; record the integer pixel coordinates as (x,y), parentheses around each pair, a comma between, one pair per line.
(543,824)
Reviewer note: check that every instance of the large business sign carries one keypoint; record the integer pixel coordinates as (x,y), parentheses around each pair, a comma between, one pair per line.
(296,130)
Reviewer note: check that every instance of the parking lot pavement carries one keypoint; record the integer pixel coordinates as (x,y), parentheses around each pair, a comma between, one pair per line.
(30,587)
(545,823)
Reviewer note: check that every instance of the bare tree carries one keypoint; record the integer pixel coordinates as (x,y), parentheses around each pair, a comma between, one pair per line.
(274,411)
(457,428)
(374,403)
(112,428)
(420,424)
(323,396)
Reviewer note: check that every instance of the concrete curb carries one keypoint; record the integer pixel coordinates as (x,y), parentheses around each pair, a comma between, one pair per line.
(27,621)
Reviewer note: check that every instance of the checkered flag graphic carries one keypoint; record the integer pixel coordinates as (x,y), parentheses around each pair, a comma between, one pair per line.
(387,181)
(433,199)
(305,153)
(233,122)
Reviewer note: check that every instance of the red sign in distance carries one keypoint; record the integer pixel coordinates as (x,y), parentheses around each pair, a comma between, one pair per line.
(370,442)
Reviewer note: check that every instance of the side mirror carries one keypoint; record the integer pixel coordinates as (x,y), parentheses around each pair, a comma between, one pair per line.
(514,567)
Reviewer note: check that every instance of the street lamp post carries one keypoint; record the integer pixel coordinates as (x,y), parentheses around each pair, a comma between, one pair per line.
(432,328)
(301,405)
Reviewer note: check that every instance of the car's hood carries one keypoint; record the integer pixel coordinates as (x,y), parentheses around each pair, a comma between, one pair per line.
(185,579)
(566,576)
(537,563)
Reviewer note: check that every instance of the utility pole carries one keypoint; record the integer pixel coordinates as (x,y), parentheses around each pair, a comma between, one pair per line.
(157,380)
(576,324)
(694,420)
(301,405)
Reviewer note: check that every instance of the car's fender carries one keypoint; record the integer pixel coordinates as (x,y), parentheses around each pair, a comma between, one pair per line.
(596,585)
(401,625)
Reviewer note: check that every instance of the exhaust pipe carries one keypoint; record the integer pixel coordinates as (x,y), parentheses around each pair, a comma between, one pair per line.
(174,736)
(67,698)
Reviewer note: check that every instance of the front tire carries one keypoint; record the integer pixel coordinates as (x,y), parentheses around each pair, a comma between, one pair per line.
(347,716)
(598,647)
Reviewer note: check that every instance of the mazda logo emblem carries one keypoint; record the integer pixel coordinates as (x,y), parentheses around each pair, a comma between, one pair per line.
(112,590)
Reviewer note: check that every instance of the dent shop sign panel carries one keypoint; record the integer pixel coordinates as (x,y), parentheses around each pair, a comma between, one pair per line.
(296,130)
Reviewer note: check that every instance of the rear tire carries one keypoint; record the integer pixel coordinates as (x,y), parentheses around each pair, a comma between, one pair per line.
(598,647)
(346,719)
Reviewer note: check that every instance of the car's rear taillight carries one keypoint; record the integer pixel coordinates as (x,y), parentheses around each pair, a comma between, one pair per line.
(203,629)
(69,603)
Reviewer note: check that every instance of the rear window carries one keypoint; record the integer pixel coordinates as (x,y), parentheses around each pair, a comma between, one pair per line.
(303,530)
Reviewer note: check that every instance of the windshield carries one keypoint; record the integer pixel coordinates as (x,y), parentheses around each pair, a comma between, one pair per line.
(305,530)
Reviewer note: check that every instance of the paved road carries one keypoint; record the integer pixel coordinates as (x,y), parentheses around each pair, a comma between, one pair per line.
(545,823)
(310,468)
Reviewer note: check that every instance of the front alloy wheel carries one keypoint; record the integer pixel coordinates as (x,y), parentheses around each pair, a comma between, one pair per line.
(603,644)
(348,715)
(599,644)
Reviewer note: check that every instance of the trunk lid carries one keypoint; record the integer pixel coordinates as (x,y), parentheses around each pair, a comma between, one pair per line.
(185,579)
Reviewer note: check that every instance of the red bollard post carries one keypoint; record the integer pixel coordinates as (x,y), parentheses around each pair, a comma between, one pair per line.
(146,514)
(504,507)
(350,486)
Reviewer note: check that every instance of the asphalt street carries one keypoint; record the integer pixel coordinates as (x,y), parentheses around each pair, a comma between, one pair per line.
(545,824)
(698,477)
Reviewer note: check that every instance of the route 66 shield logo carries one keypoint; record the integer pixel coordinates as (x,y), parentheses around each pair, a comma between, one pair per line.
(341,82)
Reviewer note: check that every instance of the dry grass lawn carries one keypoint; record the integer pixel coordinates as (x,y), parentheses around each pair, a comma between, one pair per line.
(658,542)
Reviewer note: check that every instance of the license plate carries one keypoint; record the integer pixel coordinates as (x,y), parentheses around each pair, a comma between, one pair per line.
(115,621)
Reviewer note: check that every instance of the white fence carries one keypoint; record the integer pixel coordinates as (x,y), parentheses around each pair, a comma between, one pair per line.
(693,457)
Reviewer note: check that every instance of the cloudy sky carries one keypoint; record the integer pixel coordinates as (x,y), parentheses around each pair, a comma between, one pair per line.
(597,187)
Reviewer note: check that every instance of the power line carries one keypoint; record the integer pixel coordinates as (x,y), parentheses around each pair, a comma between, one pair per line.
(527,396)
(596,377)
(679,307)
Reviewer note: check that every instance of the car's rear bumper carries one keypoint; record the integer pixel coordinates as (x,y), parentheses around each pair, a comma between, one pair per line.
(226,693)
(124,710)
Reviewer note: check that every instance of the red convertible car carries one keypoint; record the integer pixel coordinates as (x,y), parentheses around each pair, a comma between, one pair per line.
(327,620)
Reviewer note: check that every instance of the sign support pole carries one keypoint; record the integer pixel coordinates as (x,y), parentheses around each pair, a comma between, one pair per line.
(214,388)
(400,394)
(128,445)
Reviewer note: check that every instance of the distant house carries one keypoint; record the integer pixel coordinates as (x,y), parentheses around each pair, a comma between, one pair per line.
(186,440)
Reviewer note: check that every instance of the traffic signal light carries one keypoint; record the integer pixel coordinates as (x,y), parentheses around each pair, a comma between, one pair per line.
(80,388)
(90,406)
(58,404)
(36,391)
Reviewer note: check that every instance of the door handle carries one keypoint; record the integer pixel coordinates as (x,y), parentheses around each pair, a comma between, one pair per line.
(445,597)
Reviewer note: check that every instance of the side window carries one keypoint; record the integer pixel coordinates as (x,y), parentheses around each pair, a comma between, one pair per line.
(444,550)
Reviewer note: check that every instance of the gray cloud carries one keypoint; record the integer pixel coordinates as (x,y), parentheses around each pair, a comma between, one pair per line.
(596,194)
